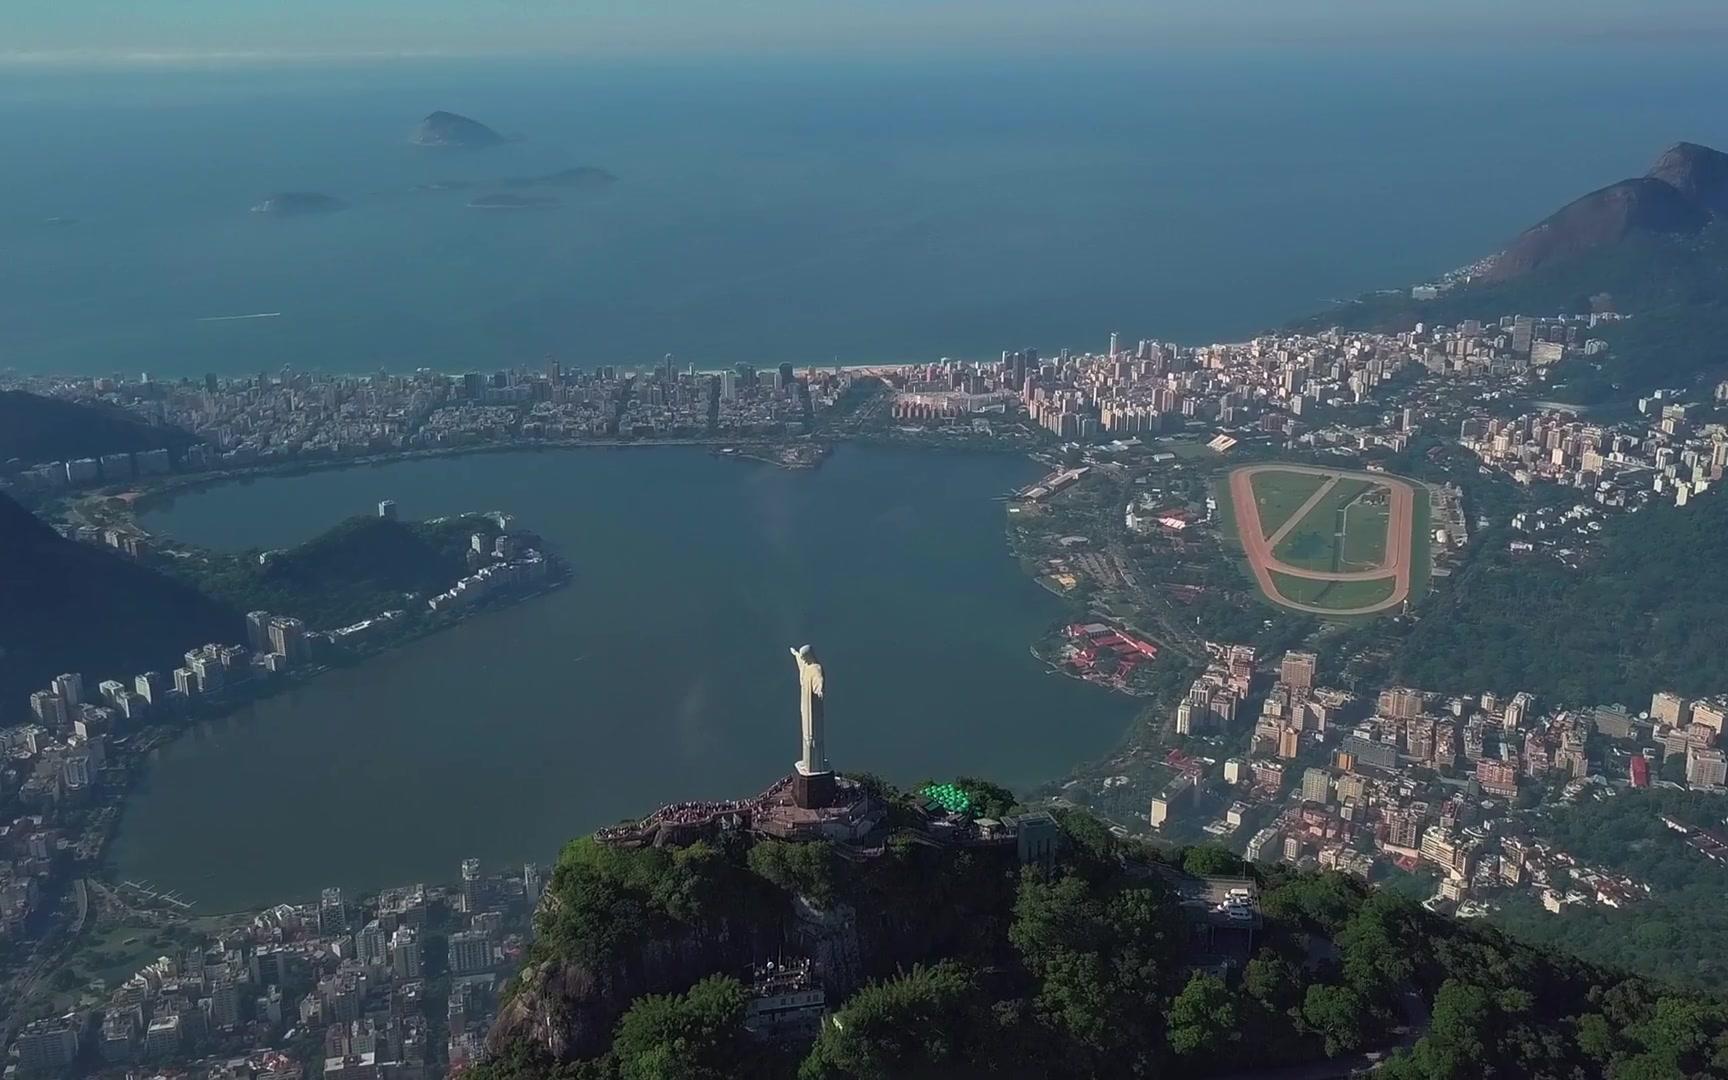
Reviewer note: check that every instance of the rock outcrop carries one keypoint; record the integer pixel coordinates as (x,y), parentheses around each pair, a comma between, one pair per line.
(1682,193)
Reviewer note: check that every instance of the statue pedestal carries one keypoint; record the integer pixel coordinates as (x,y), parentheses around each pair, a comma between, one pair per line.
(812,791)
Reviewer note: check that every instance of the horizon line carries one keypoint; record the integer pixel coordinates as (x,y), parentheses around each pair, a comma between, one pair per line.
(161,58)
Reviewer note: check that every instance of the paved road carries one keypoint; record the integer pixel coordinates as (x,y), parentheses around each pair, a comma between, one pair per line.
(1258,545)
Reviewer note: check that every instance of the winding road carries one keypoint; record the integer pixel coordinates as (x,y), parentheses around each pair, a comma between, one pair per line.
(1258,546)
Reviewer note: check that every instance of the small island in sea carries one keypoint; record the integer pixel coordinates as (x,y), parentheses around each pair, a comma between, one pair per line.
(581,176)
(450,129)
(502,201)
(298,203)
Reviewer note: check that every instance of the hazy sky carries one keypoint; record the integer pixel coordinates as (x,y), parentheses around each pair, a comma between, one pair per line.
(53,30)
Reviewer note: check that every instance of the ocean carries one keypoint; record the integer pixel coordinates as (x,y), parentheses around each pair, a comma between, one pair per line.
(770,210)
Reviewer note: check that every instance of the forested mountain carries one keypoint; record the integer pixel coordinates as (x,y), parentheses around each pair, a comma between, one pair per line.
(66,606)
(1640,613)
(969,965)
(1654,248)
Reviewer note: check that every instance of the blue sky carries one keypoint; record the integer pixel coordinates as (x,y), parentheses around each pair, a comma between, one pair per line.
(71,30)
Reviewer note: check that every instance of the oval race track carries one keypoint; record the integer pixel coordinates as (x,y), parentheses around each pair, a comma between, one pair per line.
(1258,546)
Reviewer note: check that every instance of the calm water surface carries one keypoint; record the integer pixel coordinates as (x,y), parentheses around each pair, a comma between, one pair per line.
(775,210)
(660,673)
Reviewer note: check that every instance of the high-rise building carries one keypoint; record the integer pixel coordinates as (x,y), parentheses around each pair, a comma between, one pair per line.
(288,638)
(1670,708)
(70,687)
(332,912)
(1316,785)
(49,1047)
(151,686)
(225,1003)
(1239,665)
(473,887)
(163,1037)
(1712,713)
(1185,713)
(1297,670)
(470,952)
(1706,768)
(49,709)
(387,509)
(405,958)
(372,944)
(258,630)
(1352,786)
(1402,703)
(1498,777)
(210,673)
(1289,741)
(1518,710)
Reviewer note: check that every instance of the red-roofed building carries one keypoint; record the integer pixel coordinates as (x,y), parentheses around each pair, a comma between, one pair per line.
(1640,771)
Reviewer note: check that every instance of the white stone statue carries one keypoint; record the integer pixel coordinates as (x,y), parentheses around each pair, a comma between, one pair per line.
(810,698)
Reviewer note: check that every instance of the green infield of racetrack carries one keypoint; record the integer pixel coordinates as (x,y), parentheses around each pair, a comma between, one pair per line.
(1279,494)
(1313,543)
(1344,597)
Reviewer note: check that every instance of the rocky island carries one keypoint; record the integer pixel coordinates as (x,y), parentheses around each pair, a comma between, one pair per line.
(450,129)
(298,203)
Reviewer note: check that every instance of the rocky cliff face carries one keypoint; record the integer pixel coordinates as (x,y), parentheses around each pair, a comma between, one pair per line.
(1686,188)
(570,1010)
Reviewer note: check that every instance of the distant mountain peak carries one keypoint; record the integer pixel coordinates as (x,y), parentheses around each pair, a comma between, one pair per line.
(453,129)
(1686,187)
(1698,172)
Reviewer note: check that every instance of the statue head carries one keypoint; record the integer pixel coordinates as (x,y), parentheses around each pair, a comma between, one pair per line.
(809,667)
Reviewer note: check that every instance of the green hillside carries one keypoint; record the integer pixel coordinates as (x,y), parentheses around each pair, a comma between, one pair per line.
(1639,615)
(971,966)
(355,570)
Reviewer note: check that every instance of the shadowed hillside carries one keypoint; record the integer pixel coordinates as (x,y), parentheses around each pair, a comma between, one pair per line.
(35,429)
(66,606)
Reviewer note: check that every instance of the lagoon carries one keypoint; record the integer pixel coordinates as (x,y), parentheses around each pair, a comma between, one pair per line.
(660,673)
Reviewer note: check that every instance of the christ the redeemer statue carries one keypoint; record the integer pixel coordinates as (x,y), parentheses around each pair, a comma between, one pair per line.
(815,783)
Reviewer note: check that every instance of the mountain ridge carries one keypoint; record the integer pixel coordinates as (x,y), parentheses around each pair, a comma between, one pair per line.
(1684,190)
